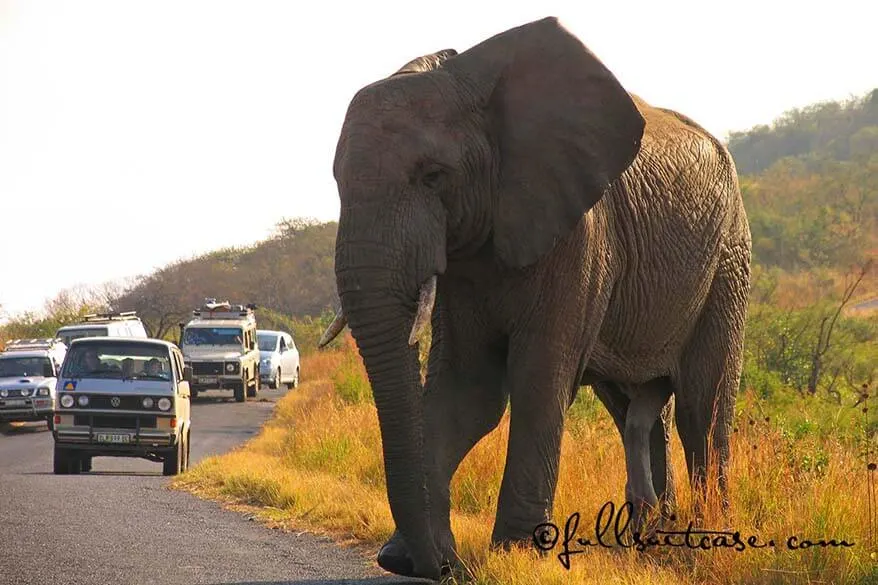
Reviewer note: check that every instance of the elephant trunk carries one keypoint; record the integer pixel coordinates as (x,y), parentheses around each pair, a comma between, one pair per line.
(381,323)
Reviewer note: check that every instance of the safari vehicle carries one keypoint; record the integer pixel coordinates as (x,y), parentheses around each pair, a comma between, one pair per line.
(125,324)
(28,370)
(219,343)
(122,397)
(278,358)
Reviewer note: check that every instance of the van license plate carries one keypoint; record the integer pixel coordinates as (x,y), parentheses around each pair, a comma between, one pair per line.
(112,438)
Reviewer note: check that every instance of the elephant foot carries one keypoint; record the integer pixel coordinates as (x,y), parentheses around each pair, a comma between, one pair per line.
(394,557)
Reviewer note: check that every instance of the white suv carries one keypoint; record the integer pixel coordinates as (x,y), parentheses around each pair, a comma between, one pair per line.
(28,370)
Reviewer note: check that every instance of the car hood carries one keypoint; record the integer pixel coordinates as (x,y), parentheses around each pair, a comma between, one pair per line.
(211,353)
(116,386)
(16,382)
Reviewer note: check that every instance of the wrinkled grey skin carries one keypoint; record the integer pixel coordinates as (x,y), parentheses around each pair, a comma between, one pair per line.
(579,235)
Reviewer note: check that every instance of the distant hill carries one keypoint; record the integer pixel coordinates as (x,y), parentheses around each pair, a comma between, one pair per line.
(810,185)
(840,131)
(288,274)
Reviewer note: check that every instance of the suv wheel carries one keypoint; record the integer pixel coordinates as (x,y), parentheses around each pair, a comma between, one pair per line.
(61,463)
(240,391)
(254,390)
(295,383)
(276,384)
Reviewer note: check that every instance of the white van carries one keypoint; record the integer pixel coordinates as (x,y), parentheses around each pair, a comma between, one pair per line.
(126,324)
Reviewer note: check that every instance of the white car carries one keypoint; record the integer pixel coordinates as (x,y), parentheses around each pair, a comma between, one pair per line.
(28,370)
(278,358)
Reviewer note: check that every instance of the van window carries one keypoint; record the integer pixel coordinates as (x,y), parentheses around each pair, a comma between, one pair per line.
(68,335)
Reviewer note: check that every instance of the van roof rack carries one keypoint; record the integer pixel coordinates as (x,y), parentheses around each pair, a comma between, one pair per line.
(118,316)
(211,309)
(31,344)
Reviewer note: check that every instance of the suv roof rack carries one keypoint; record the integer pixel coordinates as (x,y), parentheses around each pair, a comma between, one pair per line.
(31,344)
(211,309)
(118,316)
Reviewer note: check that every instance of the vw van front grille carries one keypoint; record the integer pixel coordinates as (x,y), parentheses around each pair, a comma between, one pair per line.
(113,421)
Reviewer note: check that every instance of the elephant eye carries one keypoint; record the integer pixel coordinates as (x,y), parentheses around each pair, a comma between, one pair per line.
(433,178)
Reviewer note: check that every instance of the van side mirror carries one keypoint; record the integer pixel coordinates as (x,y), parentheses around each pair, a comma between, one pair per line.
(187,373)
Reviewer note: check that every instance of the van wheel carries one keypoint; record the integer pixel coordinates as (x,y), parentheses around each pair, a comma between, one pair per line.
(173,459)
(85,463)
(188,445)
(240,393)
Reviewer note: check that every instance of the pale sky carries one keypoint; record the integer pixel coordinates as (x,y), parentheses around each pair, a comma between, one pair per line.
(224,115)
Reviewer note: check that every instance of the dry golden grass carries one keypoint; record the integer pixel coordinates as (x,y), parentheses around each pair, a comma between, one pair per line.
(317,466)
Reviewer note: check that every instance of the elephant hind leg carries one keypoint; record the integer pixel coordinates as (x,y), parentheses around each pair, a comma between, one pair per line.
(617,403)
(707,384)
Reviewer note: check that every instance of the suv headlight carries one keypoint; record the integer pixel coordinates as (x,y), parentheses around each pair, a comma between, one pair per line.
(67,401)
(232,367)
(43,392)
(25,392)
(164,404)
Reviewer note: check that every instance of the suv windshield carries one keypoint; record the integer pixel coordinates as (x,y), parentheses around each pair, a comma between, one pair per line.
(266,341)
(69,335)
(112,359)
(25,366)
(213,336)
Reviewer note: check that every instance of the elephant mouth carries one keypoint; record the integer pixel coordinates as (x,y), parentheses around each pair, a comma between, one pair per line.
(426,301)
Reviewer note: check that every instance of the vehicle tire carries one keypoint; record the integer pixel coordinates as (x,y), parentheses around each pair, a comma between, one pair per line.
(276,384)
(252,392)
(193,394)
(295,382)
(85,463)
(188,449)
(61,463)
(241,392)
(173,459)
(74,464)
(51,422)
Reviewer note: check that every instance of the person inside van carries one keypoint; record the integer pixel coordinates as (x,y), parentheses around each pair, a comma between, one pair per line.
(153,367)
(90,361)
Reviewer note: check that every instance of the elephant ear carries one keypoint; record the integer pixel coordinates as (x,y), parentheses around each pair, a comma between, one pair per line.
(426,62)
(564,128)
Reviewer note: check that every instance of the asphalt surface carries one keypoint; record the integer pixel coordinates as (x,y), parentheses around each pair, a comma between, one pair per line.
(121,524)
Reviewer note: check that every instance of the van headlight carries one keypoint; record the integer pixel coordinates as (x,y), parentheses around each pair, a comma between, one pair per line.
(67,401)
(82,400)
(164,404)
(148,402)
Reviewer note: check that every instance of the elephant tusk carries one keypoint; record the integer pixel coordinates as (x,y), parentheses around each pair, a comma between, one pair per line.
(334,329)
(425,308)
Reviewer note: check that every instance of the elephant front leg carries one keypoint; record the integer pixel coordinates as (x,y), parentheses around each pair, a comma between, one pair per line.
(463,402)
(539,395)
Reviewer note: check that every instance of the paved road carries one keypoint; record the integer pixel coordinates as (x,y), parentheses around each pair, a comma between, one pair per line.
(120,524)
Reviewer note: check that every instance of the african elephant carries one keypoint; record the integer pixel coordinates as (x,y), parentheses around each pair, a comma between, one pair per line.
(556,231)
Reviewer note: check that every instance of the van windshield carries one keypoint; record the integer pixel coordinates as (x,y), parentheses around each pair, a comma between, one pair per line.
(213,336)
(112,359)
(25,366)
(68,335)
